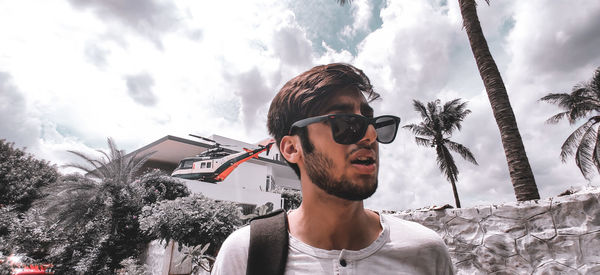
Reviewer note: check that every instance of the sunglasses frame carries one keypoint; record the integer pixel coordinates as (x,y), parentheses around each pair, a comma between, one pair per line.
(371,121)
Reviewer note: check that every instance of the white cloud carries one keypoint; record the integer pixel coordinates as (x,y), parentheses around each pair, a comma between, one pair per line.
(361,13)
(212,67)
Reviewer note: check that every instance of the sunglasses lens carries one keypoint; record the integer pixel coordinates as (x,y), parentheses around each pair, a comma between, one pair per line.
(348,129)
(386,128)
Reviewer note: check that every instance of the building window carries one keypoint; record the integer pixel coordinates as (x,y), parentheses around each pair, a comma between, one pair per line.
(186,164)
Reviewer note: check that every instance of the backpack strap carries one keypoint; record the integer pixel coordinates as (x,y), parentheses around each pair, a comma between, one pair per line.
(268,251)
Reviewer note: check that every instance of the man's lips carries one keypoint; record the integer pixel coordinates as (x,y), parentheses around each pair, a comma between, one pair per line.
(364,161)
(365,168)
(362,155)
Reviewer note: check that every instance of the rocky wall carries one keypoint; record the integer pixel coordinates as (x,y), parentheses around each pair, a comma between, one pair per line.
(553,236)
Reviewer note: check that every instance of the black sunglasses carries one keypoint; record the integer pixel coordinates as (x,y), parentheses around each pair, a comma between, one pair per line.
(351,128)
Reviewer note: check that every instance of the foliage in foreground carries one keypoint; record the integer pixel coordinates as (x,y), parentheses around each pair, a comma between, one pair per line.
(583,102)
(198,257)
(96,217)
(22,177)
(132,266)
(191,221)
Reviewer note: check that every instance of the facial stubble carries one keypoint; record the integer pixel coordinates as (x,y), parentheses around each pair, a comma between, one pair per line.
(319,169)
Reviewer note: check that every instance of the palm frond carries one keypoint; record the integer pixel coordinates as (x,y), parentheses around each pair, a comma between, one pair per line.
(464,152)
(94,164)
(423,141)
(556,118)
(562,99)
(572,142)
(419,107)
(70,199)
(115,166)
(433,111)
(596,154)
(583,155)
(583,100)
(452,115)
(420,130)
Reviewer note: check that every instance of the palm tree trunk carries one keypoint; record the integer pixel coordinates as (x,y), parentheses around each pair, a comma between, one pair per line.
(456,200)
(518,164)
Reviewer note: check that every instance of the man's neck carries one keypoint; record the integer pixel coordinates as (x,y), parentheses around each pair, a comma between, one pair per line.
(327,222)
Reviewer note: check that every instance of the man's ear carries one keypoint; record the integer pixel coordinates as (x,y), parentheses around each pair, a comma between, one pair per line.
(291,149)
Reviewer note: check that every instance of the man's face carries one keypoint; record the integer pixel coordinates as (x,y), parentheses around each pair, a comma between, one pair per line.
(339,169)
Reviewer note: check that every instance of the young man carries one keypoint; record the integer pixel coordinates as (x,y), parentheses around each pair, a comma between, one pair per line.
(328,134)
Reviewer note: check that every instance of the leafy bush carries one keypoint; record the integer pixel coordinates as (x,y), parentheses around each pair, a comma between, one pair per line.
(22,176)
(191,221)
(29,234)
(291,198)
(7,218)
(97,221)
(96,218)
(5,268)
(157,186)
(132,266)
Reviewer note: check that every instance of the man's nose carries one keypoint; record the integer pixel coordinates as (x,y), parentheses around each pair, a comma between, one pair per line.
(370,135)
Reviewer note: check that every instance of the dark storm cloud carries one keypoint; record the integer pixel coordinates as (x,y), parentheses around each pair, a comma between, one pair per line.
(15,125)
(139,88)
(149,18)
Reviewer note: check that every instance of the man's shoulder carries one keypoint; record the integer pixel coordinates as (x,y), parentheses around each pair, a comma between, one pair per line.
(408,230)
(423,247)
(239,237)
(233,255)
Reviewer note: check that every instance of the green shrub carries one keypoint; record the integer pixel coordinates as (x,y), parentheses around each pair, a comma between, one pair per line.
(22,176)
(157,186)
(191,221)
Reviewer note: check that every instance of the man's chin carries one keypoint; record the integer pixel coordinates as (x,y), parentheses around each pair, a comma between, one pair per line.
(353,193)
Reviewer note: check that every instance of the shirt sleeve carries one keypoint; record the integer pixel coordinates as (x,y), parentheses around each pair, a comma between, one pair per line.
(233,255)
(445,267)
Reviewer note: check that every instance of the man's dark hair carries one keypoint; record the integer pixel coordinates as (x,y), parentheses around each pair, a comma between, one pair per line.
(305,96)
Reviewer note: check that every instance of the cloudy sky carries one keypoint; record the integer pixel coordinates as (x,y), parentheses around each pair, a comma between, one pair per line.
(73,72)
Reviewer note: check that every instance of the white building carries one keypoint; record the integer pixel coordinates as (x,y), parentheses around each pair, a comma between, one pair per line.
(249,184)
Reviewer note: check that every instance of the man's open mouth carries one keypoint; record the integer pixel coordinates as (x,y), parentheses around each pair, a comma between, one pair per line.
(363,161)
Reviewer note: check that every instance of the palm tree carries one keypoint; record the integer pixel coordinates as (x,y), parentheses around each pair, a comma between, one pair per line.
(518,164)
(583,143)
(105,179)
(435,130)
(95,215)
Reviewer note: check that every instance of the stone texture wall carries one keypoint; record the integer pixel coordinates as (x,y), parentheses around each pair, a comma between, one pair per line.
(554,236)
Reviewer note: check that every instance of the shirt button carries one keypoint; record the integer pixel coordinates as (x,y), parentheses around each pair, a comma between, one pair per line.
(343,262)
